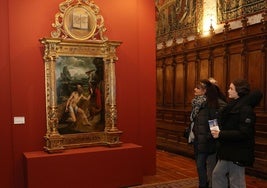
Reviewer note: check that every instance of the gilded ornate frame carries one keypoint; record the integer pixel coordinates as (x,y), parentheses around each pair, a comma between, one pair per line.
(69,40)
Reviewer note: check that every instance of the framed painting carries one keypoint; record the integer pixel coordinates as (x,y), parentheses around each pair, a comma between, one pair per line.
(80,94)
(80,81)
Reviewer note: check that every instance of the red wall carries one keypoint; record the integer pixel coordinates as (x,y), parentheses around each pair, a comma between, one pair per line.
(6,146)
(23,87)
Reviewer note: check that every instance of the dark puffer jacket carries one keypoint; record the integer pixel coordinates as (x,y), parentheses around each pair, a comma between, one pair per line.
(236,138)
(204,141)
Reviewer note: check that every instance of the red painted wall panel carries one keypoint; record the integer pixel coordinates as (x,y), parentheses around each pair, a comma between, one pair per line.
(22,79)
(6,150)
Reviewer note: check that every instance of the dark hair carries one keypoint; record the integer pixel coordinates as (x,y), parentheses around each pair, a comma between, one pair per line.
(221,95)
(242,87)
(211,93)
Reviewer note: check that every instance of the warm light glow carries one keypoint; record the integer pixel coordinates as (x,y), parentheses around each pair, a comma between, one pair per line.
(209,16)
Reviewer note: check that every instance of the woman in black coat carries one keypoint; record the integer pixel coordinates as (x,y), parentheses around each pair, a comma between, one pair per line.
(205,106)
(236,136)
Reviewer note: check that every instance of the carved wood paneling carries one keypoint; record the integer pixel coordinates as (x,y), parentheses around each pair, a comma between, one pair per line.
(218,71)
(190,81)
(179,85)
(256,65)
(242,54)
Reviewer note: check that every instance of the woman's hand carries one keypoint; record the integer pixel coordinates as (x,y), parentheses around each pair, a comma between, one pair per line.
(215,133)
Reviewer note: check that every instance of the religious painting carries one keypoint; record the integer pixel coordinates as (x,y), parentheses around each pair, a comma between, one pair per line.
(80,94)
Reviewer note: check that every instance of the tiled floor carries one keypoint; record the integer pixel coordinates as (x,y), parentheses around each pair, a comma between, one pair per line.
(173,167)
